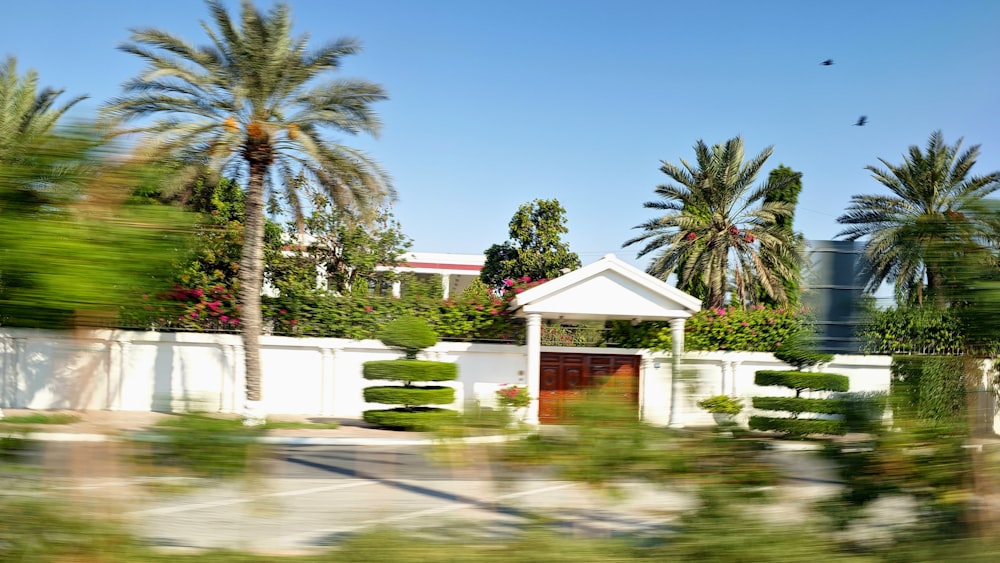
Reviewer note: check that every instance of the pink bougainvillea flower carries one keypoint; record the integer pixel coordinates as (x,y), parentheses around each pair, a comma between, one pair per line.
(526,279)
(508,282)
(368,308)
(198,293)
(224,318)
(194,314)
(518,290)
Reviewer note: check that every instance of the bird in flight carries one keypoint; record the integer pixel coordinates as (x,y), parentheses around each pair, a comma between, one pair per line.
(827,62)
(862,120)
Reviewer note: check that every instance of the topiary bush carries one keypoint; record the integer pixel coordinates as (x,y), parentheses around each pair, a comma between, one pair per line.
(800,352)
(410,396)
(801,381)
(415,419)
(409,370)
(410,334)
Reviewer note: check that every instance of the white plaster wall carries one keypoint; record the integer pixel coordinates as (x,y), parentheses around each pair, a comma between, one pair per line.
(704,374)
(130,370)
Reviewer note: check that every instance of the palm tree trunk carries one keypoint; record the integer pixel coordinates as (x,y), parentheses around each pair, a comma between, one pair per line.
(251,277)
(935,287)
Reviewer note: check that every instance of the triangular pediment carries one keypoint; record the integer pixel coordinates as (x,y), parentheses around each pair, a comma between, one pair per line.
(606,289)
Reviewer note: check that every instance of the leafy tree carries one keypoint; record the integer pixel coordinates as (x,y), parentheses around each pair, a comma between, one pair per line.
(352,255)
(718,231)
(788,194)
(535,248)
(26,113)
(75,245)
(934,218)
(250,102)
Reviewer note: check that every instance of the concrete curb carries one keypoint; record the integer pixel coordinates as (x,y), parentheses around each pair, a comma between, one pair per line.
(272,440)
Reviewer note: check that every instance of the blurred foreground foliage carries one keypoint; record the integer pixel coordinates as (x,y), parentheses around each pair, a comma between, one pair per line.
(204,445)
(74,244)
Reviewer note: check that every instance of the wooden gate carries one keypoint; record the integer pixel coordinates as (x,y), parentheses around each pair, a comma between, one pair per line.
(565,377)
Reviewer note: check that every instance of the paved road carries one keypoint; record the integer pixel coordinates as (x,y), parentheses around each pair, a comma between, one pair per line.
(309,497)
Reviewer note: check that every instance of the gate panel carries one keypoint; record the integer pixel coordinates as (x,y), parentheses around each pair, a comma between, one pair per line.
(565,377)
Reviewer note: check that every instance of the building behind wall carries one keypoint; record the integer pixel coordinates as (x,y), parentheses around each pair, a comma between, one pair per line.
(455,271)
(833,291)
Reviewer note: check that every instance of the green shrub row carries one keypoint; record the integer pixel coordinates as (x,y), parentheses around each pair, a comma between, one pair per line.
(409,370)
(930,387)
(471,316)
(419,419)
(798,426)
(410,396)
(801,380)
(754,329)
(799,404)
(913,330)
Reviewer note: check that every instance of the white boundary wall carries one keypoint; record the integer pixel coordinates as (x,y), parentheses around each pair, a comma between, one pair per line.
(144,371)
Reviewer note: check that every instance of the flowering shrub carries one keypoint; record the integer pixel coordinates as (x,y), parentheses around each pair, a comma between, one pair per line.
(514,396)
(188,308)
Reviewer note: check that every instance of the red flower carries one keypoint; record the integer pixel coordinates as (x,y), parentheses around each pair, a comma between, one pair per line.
(691,236)
(749,237)
(368,308)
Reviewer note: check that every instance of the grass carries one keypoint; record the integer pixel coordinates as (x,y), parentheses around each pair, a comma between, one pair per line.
(40,418)
(205,446)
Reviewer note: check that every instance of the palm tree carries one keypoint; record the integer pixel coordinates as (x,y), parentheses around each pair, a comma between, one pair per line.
(250,102)
(720,235)
(26,113)
(935,211)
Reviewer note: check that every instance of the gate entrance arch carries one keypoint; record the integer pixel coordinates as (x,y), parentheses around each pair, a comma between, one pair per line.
(608,289)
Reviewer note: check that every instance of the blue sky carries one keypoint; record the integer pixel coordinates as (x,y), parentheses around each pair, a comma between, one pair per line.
(494,104)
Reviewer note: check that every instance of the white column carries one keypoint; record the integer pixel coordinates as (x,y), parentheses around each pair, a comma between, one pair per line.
(677,349)
(117,372)
(645,372)
(327,381)
(227,380)
(533,365)
(396,289)
(445,285)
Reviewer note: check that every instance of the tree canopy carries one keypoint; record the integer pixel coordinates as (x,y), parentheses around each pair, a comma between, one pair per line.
(535,248)
(254,100)
(935,220)
(720,235)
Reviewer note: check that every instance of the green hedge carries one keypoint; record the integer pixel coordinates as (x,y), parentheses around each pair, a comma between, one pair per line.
(419,419)
(802,380)
(798,404)
(753,329)
(798,426)
(410,370)
(930,387)
(410,396)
